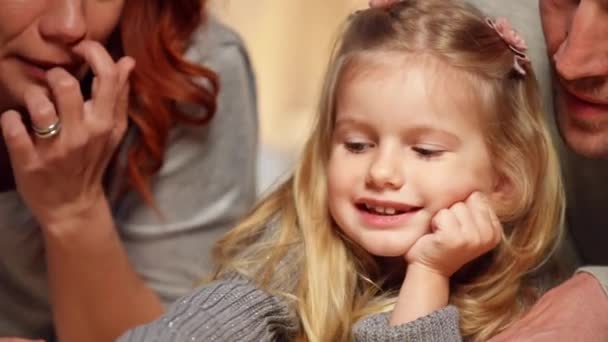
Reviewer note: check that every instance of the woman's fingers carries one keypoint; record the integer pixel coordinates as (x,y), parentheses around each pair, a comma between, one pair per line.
(125,66)
(122,118)
(106,112)
(42,113)
(67,98)
(20,147)
(381,3)
(107,87)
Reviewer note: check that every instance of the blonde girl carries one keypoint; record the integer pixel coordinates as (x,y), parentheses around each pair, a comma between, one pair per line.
(427,193)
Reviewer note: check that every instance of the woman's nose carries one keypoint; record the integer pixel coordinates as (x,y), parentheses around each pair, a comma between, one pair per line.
(64,22)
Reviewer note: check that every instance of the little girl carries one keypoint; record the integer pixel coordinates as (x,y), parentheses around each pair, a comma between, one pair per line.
(426,195)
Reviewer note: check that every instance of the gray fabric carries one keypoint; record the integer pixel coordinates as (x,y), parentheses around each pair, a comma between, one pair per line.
(586,180)
(205,184)
(235,310)
(441,325)
(227,310)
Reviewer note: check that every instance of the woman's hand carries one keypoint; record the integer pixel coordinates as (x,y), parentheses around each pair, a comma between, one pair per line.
(60,176)
(459,234)
(381,3)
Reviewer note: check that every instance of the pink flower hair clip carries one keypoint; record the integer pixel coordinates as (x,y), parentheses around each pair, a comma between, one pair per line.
(516,43)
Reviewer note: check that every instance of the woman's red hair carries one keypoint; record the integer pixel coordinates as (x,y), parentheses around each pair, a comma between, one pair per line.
(156,33)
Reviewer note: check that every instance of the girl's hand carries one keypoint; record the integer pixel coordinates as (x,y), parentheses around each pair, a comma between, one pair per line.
(60,176)
(459,234)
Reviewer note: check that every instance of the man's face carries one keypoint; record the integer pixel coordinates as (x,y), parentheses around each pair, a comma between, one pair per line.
(577,41)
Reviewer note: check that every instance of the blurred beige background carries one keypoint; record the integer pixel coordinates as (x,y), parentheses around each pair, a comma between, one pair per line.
(289,42)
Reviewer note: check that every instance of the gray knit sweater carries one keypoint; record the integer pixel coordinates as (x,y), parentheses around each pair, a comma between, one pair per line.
(236,310)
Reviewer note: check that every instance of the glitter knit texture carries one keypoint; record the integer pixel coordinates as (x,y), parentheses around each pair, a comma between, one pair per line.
(235,310)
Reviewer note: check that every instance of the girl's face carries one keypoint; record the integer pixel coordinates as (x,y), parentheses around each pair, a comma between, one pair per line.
(405,145)
(37,35)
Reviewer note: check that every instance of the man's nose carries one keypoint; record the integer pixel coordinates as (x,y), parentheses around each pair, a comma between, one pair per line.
(64,22)
(584,53)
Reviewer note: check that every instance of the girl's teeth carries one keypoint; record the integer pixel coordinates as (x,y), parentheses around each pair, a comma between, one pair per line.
(381,210)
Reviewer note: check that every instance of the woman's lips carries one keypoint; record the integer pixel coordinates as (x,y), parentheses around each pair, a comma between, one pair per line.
(33,70)
(37,69)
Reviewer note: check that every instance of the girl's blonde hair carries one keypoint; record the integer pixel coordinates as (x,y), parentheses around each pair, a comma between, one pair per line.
(290,246)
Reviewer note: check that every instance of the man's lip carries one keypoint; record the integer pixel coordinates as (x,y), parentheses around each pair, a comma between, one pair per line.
(579,109)
(583,97)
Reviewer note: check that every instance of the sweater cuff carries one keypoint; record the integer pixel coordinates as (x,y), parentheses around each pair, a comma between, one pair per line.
(598,272)
(441,326)
(225,310)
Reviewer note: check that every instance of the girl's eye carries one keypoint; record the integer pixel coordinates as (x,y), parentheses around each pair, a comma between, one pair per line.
(357,147)
(426,152)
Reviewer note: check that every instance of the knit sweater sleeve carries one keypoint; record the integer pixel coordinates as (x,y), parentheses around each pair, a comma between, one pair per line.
(225,310)
(439,326)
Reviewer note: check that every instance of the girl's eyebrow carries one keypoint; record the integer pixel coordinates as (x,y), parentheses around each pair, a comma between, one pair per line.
(349,122)
(428,131)
(412,132)
(417,130)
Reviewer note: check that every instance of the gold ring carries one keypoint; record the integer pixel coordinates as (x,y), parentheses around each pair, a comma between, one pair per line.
(48,132)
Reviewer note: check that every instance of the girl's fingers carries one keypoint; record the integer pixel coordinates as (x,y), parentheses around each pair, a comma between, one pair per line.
(444,223)
(18,142)
(480,210)
(487,218)
(468,228)
(496,225)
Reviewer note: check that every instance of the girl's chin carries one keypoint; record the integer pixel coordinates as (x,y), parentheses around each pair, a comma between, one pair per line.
(391,250)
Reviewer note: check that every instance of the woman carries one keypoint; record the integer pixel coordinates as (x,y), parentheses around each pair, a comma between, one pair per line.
(113,179)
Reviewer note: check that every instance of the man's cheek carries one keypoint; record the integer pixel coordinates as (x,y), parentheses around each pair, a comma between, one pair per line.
(555,21)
